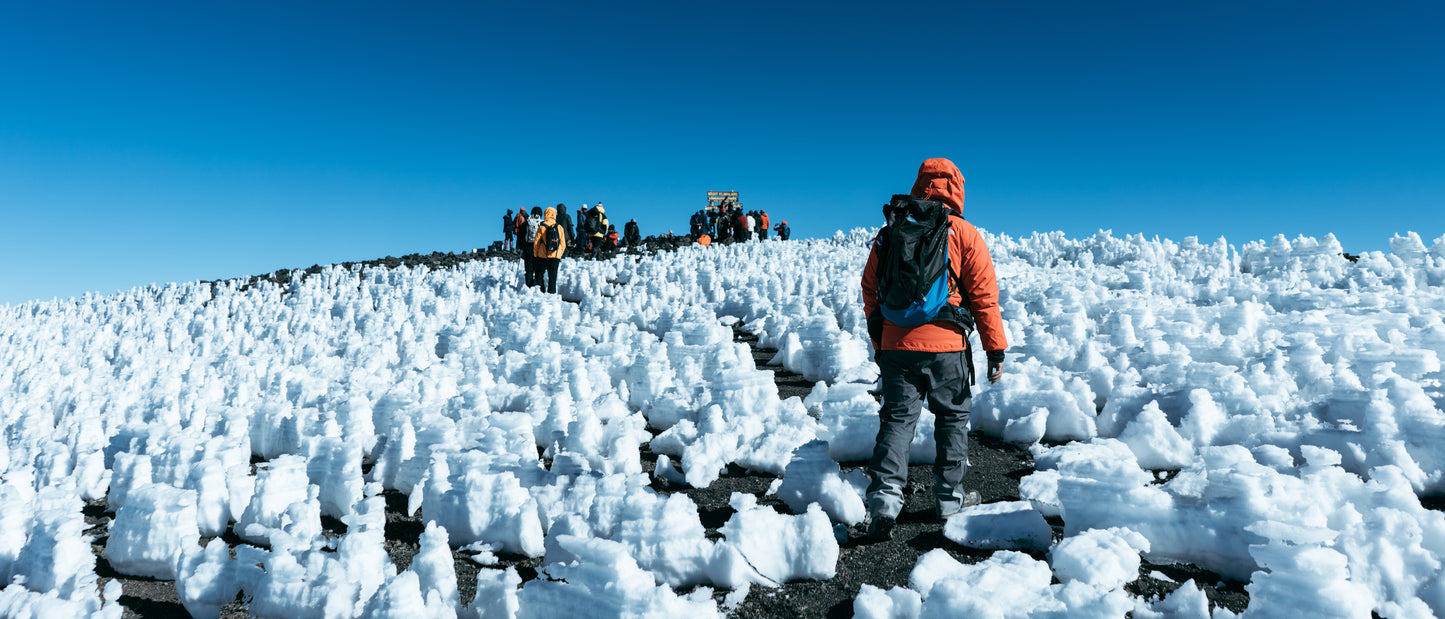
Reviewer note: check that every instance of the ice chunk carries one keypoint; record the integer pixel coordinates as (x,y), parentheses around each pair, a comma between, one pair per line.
(473,504)
(57,557)
(1008,582)
(1155,443)
(813,477)
(605,581)
(782,548)
(496,596)
(334,465)
(205,582)
(1105,558)
(433,566)
(1041,489)
(279,484)
(1186,602)
(666,472)
(1013,525)
(17,601)
(1309,581)
(157,525)
(895,603)
(401,598)
(363,549)
(17,502)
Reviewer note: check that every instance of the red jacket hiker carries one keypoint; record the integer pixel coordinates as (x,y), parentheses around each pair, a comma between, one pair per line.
(929,361)
(521,223)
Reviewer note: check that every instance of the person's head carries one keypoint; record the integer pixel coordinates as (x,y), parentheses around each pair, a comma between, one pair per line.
(634,220)
(550,215)
(537,210)
(938,179)
(561,208)
(509,211)
(583,207)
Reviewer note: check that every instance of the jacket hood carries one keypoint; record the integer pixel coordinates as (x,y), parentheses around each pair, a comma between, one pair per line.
(549,216)
(939,179)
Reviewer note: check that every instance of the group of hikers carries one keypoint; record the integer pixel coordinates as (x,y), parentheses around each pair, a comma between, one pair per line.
(544,236)
(919,327)
(729,223)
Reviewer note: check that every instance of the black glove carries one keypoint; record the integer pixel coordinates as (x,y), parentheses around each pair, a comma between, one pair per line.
(995,365)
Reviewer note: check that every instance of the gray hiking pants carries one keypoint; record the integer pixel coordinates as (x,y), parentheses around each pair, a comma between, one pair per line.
(906,377)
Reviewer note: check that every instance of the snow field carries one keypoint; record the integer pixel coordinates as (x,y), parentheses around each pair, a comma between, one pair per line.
(456,386)
(1298,394)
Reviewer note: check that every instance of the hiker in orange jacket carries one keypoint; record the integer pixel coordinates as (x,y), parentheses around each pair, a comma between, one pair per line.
(548,261)
(929,361)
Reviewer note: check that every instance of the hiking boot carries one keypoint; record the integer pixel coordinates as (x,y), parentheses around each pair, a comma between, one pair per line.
(880,528)
(945,508)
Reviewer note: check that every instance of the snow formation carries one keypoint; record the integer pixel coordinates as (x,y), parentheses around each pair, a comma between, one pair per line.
(1297,394)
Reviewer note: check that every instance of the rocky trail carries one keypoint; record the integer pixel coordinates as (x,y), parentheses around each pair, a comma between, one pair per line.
(995,470)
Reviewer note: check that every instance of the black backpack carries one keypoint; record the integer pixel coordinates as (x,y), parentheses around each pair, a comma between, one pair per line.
(913,270)
(552,239)
(913,266)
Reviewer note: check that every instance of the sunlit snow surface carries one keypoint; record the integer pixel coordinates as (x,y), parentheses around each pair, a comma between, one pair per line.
(1299,394)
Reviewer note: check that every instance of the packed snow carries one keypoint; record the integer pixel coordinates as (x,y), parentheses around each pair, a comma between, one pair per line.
(1296,393)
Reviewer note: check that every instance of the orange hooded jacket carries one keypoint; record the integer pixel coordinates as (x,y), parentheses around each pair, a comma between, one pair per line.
(939,179)
(539,245)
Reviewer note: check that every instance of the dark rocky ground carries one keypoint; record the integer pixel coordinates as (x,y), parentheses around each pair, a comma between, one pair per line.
(995,471)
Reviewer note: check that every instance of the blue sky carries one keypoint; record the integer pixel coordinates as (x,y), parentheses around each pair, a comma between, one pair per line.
(154,142)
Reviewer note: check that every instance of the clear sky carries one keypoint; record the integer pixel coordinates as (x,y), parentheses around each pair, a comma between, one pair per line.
(150,142)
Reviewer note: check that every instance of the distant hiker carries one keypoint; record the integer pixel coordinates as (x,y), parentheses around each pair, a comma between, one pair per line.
(597,228)
(581,235)
(565,220)
(519,227)
(921,345)
(631,234)
(529,262)
(783,230)
(763,225)
(549,247)
(697,224)
(610,241)
(509,225)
